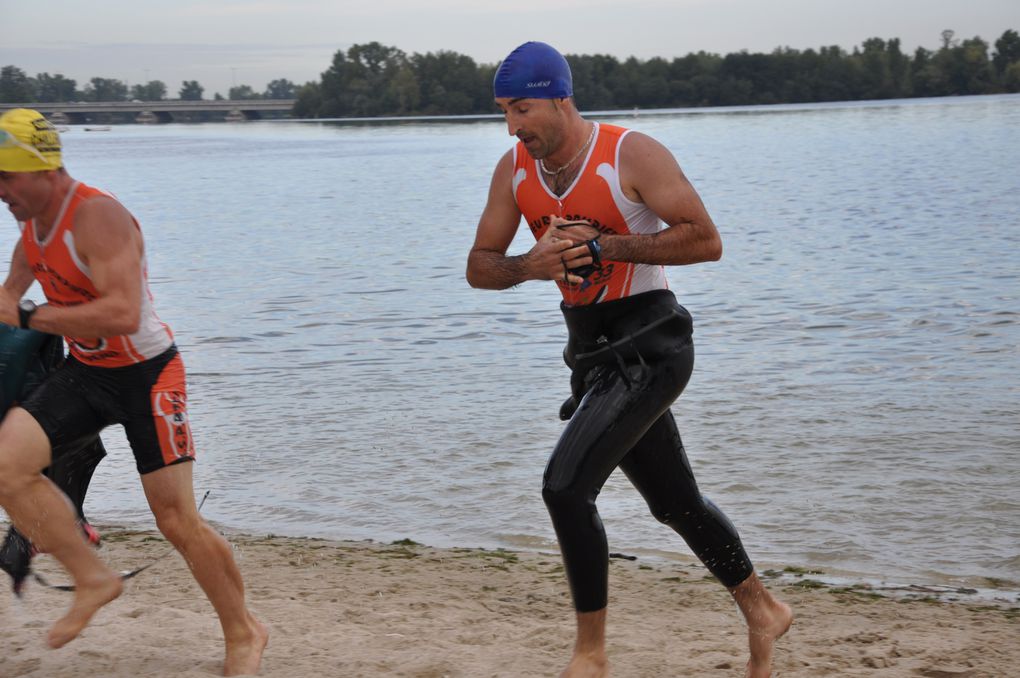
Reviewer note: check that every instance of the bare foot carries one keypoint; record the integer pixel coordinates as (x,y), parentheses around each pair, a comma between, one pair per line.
(244,656)
(587,666)
(88,598)
(768,628)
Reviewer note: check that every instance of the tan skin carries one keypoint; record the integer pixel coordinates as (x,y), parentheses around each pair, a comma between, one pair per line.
(553,131)
(108,242)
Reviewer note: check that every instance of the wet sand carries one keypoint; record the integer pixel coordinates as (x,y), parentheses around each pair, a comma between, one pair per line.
(367,609)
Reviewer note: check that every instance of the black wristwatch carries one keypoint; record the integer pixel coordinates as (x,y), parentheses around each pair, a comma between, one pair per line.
(26,308)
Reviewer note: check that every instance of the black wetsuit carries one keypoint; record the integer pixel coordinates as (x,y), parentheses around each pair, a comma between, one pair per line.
(630,359)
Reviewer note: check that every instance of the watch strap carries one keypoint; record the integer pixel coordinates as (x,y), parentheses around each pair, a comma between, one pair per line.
(25,315)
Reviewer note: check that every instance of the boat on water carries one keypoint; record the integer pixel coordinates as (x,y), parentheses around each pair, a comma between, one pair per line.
(102,128)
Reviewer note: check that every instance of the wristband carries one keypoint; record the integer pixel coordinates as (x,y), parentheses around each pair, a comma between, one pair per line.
(26,308)
(596,251)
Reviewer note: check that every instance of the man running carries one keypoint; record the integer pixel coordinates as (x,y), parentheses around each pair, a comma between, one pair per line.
(595,197)
(87,252)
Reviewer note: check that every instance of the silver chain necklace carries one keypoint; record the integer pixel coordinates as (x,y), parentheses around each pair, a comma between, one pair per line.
(553,173)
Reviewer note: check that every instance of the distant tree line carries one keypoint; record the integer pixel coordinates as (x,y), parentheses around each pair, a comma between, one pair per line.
(368,80)
(17,87)
(373,79)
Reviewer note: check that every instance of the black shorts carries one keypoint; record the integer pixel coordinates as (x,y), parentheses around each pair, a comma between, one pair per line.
(149,399)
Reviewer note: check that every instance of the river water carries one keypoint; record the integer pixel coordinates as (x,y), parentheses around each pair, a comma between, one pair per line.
(855,405)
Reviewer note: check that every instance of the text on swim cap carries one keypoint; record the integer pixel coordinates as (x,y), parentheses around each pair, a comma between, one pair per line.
(45,137)
(539,83)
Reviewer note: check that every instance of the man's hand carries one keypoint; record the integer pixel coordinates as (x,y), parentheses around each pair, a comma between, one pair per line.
(576,232)
(554,255)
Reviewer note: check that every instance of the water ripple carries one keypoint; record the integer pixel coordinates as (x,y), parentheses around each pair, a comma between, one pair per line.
(854,403)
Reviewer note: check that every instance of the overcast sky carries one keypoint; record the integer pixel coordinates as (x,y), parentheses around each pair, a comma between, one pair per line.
(221,43)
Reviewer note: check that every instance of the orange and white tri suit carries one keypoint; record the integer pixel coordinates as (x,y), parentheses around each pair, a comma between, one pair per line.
(595,196)
(136,380)
(66,281)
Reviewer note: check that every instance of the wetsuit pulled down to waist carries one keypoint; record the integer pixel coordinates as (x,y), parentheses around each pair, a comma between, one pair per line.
(628,334)
(630,360)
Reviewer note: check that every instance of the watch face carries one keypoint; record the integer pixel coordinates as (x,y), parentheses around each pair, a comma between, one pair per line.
(26,305)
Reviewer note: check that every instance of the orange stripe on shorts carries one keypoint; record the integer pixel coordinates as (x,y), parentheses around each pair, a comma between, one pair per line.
(170,410)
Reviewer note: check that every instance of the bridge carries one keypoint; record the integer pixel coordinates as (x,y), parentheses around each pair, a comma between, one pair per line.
(236,110)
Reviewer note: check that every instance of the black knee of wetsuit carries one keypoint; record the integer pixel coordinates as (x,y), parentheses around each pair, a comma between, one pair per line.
(657,466)
(630,359)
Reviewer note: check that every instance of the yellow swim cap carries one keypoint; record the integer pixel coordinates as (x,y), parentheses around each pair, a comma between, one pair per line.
(28,142)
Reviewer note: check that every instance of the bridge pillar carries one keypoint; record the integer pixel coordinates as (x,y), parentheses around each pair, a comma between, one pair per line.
(67,118)
(148,117)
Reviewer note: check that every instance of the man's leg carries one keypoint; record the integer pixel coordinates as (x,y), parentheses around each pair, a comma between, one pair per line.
(171,498)
(71,473)
(589,659)
(609,420)
(658,468)
(43,514)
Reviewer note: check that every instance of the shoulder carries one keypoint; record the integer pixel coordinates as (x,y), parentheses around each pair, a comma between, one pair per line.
(99,203)
(101,207)
(101,220)
(638,147)
(644,164)
(508,159)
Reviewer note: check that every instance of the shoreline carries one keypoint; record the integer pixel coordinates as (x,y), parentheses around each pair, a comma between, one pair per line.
(942,586)
(361,608)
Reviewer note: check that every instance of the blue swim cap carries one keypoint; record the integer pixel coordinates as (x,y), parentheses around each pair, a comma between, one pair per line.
(534,70)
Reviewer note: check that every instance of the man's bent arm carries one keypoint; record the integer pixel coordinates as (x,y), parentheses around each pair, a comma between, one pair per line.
(493,270)
(109,243)
(681,244)
(19,277)
(488,266)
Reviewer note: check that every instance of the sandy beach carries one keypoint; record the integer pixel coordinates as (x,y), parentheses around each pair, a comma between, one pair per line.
(368,609)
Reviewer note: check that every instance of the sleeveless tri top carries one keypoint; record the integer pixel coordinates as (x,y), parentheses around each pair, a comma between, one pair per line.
(66,281)
(596,196)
